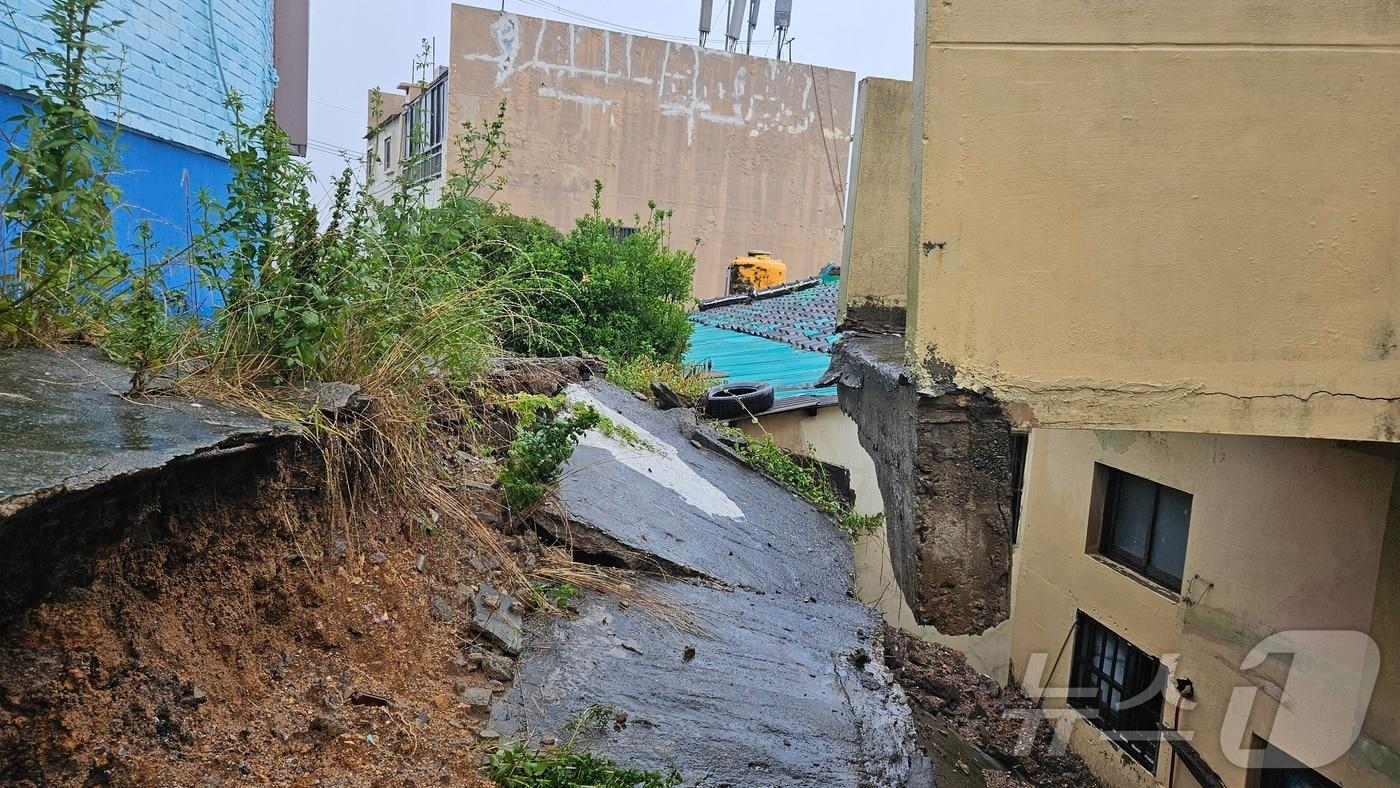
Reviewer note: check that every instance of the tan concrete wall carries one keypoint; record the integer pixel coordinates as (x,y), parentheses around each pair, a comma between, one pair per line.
(749,153)
(1288,531)
(831,436)
(875,258)
(1178,217)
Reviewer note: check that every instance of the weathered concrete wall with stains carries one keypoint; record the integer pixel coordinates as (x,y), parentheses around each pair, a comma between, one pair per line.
(943,466)
(748,152)
(1285,534)
(877,251)
(1179,217)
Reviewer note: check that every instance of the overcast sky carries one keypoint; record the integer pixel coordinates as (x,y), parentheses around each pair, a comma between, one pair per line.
(360,44)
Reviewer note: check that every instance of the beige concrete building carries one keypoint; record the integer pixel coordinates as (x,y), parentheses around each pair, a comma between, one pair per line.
(1157,249)
(748,153)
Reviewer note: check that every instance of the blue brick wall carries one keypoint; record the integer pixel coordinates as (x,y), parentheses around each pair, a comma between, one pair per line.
(172,87)
(171,111)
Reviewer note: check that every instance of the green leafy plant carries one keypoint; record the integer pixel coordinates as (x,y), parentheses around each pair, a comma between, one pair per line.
(517,766)
(262,250)
(528,407)
(58,195)
(805,479)
(556,595)
(630,290)
(143,331)
(545,442)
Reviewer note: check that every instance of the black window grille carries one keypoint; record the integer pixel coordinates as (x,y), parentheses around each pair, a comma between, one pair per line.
(1020,441)
(620,233)
(1145,526)
(1278,769)
(1118,687)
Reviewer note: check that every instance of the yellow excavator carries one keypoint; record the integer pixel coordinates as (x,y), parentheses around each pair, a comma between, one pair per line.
(755,271)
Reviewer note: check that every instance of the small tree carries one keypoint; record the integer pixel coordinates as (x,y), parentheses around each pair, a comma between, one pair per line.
(630,292)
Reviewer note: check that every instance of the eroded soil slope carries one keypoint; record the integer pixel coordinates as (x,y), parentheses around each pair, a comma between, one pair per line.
(239,633)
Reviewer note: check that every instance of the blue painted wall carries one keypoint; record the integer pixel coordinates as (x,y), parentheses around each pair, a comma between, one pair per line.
(181,57)
(178,58)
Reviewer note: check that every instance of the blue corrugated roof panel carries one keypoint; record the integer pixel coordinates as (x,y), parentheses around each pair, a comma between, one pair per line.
(790,370)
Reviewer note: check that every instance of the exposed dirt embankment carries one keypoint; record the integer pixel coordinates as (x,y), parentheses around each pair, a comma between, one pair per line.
(238,632)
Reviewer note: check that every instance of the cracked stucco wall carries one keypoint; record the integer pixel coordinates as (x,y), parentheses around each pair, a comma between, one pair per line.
(875,258)
(1183,218)
(750,153)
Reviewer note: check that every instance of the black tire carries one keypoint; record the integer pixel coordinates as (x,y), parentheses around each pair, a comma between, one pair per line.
(738,400)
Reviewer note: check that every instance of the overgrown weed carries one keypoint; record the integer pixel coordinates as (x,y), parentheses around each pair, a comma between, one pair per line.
(636,374)
(804,478)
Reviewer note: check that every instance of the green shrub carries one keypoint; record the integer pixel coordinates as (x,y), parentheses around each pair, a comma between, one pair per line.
(630,294)
(517,766)
(546,439)
(143,330)
(261,248)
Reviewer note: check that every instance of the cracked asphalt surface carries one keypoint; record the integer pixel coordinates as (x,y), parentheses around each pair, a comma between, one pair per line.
(780,681)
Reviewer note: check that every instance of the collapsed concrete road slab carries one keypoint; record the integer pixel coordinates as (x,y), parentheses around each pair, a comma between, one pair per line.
(694,510)
(78,459)
(776,679)
(777,693)
(65,427)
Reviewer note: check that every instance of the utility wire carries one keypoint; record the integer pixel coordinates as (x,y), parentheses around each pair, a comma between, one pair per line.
(597,22)
(836,186)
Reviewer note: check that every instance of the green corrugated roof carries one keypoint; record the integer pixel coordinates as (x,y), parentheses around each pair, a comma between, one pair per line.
(789,370)
(781,336)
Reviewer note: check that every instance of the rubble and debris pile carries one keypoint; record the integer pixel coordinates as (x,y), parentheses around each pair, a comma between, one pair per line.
(968,715)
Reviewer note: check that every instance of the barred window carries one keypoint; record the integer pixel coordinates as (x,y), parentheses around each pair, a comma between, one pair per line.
(1119,688)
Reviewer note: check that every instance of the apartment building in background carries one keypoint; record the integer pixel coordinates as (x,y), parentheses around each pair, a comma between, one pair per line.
(180,59)
(748,152)
(1121,295)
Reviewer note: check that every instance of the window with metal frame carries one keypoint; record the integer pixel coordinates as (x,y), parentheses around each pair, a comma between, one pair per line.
(1145,526)
(1277,769)
(1020,442)
(424,132)
(1118,687)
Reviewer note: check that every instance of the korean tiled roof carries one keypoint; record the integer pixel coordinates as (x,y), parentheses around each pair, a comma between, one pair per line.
(801,313)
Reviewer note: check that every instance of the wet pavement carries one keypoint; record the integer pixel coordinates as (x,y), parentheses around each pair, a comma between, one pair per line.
(779,681)
(65,426)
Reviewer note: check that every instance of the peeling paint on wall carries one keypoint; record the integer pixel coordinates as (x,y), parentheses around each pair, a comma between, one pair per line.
(748,153)
(681,90)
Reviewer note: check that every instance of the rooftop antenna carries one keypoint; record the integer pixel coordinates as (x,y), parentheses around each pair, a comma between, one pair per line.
(782,18)
(753,23)
(707,8)
(736,25)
